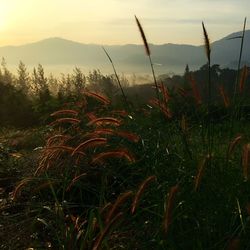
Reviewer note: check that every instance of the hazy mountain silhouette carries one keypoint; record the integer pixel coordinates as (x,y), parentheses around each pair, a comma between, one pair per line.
(128,58)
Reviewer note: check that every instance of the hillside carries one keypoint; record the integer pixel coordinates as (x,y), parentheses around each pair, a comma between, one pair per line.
(128,58)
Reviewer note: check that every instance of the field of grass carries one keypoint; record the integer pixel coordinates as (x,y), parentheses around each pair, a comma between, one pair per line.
(101,178)
(169,175)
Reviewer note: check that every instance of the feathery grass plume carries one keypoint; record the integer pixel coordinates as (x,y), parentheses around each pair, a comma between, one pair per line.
(119,201)
(101,131)
(79,157)
(105,131)
(41,165)
(105,121)
(200,173)
(129,136)
(140,192)
(182,92)
(233,145)
(54,138)
(165,93)
(206,42)
(120,153)
(143,36)
(224,96)
(246,160)
(98,96)
(122,113)
(65,120)
(208,54)
(196,92)
(91,116)
(65,112)
(163,107)
(74,181)
(98,241)
(60,148)
(20,186)
(243,78)
(117,78)
(90,143)
(146,46)
(167,220)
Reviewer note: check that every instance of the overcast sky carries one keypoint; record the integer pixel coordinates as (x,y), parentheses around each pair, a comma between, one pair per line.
(112,21)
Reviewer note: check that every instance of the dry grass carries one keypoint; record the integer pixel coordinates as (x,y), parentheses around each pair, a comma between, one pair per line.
(232,145)
(246,160)
(200,173)
(167,220)
(224,96)
(119,201)
(105,121)
(140,192)
(119,153)
(243,78)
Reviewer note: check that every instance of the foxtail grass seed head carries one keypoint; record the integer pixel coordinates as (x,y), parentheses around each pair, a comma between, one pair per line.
(65,120)
(98,96)
(224,96)
(94,142)
(200,173)
(140,192)
(120,153)
(196,92)
(167,220)
(105,232)
(105,121)
(206,42)
(233,145)
(146,46)
(19,187)
(119,201)
(65,112)
(243,78)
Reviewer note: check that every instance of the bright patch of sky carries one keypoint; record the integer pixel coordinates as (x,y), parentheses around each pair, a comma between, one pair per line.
(112,21)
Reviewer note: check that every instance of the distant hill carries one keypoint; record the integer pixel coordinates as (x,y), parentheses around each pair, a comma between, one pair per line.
(130,58)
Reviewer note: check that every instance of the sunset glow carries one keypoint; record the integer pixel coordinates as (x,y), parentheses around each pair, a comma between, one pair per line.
(112,21)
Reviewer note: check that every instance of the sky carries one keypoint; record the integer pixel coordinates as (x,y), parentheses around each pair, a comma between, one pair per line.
(112,21)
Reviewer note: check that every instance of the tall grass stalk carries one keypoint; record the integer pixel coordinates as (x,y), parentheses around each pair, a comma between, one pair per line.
(235,109)
(148,53)
(208,54)
(117,78)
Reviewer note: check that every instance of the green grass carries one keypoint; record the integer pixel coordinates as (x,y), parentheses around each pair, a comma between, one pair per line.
(206,219)
(55,197)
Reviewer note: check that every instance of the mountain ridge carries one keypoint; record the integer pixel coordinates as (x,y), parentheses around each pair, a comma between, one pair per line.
(127,57)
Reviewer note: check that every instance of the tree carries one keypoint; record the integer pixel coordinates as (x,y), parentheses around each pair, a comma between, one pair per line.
(23,78)
(7,77)
(78,79)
